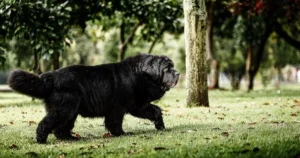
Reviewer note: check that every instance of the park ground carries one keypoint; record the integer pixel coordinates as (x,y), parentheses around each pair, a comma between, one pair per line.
(262,123)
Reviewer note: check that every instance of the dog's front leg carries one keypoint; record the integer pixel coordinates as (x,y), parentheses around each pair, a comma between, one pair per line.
(153,113)
(114,120)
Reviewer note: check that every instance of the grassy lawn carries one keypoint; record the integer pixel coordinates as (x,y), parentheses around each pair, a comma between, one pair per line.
(263,123)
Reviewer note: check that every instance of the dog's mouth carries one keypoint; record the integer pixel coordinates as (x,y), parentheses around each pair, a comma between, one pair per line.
(174,84)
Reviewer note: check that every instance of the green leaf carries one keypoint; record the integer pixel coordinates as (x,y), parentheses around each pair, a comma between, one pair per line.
(68,9)
(51,51)
(38,46)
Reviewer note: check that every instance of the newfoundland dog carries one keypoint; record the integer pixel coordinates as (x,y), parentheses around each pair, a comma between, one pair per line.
(109,91)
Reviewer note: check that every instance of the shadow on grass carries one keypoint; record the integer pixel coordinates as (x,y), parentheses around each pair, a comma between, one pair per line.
(258,94)
(227,147)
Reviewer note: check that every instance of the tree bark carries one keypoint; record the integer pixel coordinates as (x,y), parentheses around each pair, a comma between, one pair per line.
(156,39)
(152,45)
(249,62)
(214,74)
(124,42)
(196,63)
(36,66)
(280,32)
(252,66)
(214,64)
(55,60)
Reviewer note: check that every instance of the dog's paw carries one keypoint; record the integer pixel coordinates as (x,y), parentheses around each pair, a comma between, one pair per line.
(159,125)
(41,140)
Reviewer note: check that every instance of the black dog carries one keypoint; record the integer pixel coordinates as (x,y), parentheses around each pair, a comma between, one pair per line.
(109,91)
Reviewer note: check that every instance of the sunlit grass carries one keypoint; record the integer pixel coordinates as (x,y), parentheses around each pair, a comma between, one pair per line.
(263,123)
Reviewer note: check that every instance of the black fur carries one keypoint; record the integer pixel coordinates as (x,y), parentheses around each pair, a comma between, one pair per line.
(109,91)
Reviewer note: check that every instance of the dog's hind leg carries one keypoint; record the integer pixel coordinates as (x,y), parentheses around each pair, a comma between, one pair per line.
(153,113)
(63,132)
(61,110)
(45,127)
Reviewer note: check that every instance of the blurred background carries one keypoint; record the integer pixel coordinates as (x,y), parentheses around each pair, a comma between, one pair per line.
(248,41)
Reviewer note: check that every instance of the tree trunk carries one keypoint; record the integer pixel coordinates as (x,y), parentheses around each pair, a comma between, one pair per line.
(159,36)
(196,64)
(278,78)
(124,42)
(152,46)
(235,80)
(252,65)
(281,33)
(36,66)
(249,63)
(122,46)
(214,74)
(55,60)
(214,64)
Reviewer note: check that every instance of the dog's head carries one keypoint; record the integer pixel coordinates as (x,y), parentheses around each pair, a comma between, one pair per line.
(159,71)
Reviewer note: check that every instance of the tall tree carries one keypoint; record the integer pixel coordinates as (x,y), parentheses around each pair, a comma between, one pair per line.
(214,64)
(152,18)
(261,18)
(45,24)
(196,65)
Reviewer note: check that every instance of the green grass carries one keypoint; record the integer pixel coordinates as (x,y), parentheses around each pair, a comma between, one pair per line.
(263,123)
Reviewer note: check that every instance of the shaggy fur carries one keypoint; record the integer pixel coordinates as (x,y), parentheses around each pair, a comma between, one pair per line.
(109,91)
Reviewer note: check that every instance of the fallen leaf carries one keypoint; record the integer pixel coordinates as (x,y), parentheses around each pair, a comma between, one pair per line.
(13,146)
(252,123)
(160,148)
(77,135)
(179,115)
(107,135)
(216,128)
(131,151)
(225,134)
(293,114)
(220,118)
(297,102)
(31,123)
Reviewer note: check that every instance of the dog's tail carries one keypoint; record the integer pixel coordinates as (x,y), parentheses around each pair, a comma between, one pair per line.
(28,84)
